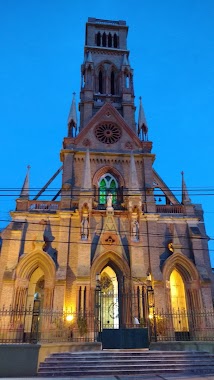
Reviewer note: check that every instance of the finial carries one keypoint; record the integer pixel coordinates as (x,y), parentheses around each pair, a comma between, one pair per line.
(25,188)
(185,195)
(72,117)
(142,124)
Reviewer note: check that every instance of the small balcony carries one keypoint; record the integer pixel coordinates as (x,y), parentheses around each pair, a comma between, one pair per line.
(40,206)
(169,209)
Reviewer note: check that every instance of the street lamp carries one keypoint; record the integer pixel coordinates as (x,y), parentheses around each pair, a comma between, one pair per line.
(151,307)
(98,305)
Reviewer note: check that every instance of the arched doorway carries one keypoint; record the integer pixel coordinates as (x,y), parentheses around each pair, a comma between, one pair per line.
(178,303)
(35,299)
(36,288)
(109,301)
(115,308)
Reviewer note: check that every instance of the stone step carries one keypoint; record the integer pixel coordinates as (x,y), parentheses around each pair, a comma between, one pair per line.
(86,362)
(130,371)
(129,352)
(125,363)
(120,366)
(125,357)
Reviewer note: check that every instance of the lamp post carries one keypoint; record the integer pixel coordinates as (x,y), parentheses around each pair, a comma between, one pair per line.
(151,308)
(97,308)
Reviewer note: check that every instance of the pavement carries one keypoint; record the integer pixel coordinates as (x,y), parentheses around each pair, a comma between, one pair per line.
(140,377)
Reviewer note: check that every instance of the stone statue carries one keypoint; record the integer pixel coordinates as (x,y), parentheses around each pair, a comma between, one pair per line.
(84,227)
(135,230)
(109,200)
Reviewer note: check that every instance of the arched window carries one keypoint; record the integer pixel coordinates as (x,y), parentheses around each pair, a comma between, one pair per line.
(107,184)
(98,39)
(115,40)
(109,40)
(100,82)
(112,83)
(104,39)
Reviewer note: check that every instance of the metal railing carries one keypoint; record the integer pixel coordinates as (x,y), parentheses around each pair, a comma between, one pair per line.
(27,325)
(169,209)
(182,325)
(43,206)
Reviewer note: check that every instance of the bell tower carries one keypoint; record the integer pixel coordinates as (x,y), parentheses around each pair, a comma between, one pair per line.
(106,73)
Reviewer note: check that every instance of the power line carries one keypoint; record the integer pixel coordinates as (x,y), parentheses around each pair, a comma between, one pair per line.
(104,244)
(78,227)
(169,235)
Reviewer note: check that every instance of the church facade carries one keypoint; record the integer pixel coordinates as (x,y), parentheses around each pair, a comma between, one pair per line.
(114,222)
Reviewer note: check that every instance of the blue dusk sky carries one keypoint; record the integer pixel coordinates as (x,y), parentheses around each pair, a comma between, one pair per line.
(171,47)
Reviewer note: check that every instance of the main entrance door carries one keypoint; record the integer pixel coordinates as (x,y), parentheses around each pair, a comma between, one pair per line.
(109,311)
(122,316)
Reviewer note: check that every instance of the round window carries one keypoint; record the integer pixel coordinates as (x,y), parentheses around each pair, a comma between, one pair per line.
(108,133)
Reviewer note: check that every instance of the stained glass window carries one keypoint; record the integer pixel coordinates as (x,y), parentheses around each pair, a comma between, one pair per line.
(107,184)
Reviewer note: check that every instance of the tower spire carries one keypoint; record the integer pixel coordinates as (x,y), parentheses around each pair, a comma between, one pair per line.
(25,188)
(142,125)
(72,117)
(86,185)
(133,179)
(185,195)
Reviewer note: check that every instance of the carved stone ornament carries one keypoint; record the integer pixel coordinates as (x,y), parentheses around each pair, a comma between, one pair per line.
(110,240)
(86,142)
(129,145)
(66,186)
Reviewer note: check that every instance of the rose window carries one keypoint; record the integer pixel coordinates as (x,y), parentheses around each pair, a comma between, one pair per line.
(108,133)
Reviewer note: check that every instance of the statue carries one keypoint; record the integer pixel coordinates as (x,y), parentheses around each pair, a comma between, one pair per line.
(84,228)
(109,200)
(135,230)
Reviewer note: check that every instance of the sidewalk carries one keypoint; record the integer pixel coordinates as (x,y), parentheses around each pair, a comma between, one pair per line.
(140,377)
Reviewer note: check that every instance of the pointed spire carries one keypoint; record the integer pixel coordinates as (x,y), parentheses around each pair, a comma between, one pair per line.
(25,188)
(125,60)
(133,179)
(185,196)
(86,185)
(72,117)
(142,124)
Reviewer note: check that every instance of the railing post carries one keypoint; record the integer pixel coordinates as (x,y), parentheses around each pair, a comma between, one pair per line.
(155,325)
(35,322)
(97,320)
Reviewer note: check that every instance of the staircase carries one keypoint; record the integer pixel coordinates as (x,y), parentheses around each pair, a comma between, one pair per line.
(129,362)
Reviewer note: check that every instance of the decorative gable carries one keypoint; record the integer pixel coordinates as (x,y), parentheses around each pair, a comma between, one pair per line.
(107,130)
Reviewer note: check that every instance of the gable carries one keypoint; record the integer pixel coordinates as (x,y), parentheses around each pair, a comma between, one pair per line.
(108,131)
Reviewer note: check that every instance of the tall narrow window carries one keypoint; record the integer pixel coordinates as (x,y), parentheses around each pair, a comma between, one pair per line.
(98,39)
(127,81)
(109,40)
(112,83)
(104,39)
(100,82)
(115,40)
(107,184)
